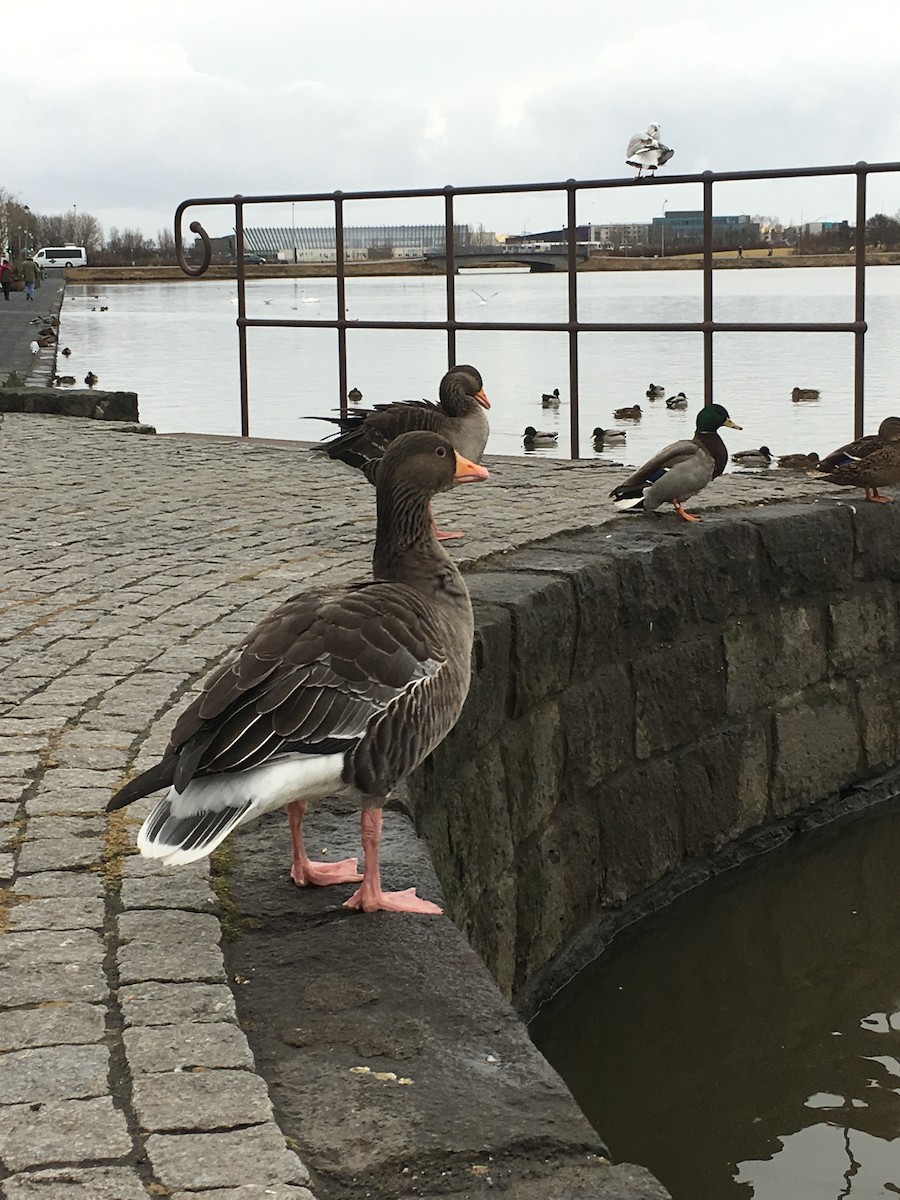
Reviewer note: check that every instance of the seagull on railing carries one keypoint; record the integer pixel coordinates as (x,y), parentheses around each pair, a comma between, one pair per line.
(645,150)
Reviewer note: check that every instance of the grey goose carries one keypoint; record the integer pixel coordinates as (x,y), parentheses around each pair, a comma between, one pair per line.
(458,416)
(340,690)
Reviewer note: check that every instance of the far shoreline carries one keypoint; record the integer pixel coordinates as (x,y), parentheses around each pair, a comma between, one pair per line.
(752,260)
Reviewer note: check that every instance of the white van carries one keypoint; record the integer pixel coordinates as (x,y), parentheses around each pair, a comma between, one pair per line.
(61,256)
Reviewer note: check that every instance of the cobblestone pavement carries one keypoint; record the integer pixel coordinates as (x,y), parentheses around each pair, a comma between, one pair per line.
(129,564)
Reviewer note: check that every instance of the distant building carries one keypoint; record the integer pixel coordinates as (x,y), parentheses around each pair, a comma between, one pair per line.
(317,243)
(679,230)
(617,238)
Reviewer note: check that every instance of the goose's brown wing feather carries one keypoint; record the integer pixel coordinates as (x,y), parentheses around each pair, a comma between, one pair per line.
(365,436)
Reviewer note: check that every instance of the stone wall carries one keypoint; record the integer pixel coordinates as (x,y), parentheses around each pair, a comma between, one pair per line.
(644,694)
(71,402)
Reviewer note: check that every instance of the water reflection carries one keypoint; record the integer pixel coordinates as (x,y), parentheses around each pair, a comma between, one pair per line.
(746,1044)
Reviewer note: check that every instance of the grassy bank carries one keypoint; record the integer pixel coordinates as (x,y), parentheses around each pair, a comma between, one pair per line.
(724,260)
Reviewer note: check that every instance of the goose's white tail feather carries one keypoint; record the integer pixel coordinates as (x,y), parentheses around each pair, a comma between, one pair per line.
(187,826)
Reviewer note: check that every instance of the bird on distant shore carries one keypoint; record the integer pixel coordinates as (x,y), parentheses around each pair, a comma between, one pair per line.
(753,458)
(676,402)
(64,380)
(339,690)
(799,393)
(655,391)
(459,416)
(869,462)
(680,470)
(550,399)
(539,437)
(799,462)
(34,347)
(91,379)
(646,152)
(633,412)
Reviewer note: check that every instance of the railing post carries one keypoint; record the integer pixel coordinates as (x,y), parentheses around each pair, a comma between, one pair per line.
(450,251)
(707,287)
(859,306)
(339,269)
(242,314)
(572,267)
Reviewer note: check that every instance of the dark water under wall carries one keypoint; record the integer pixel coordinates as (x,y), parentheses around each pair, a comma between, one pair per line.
(746,1042)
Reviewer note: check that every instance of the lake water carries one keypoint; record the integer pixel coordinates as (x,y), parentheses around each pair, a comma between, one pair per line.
(175,344)
(745,1044)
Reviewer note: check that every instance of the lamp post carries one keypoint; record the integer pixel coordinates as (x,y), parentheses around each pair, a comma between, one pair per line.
(663,234)
(75,223)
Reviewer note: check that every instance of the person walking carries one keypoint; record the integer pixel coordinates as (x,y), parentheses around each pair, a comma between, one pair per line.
(6,277)
(31,273)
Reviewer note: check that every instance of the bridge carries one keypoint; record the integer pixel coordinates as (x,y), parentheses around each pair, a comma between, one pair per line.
(553,257)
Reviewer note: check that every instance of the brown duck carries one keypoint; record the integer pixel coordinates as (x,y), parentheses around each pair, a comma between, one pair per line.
(342,690)
(870,462)
(799,462)
(458,416)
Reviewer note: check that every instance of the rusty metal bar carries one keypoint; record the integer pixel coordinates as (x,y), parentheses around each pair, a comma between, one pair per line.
(708,329)
(242,314)
(341,299)
(450,255)
(859,308)
(572,240)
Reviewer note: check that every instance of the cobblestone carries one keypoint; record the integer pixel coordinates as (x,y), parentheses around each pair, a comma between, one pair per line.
(116,601)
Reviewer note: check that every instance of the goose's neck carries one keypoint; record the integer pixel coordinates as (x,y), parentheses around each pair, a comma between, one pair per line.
(404,535)
(456,402)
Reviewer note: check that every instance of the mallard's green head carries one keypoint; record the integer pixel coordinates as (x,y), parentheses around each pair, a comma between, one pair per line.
(713,417)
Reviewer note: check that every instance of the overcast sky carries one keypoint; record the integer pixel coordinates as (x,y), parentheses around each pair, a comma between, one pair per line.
(123,109)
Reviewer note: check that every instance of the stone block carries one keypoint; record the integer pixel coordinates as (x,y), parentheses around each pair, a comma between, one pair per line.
(679,694)
(75,912)
(543,642)
(879,706)
(169,889)
(77,1130)
(35,982)
(597,718)
(200,1101)
(172,1003)
(59,854)
(640,829)
(817,749)
(864,630)
(52,1024)
(80,884)
(487,703)
(53,1073)
(877,531)
(808,550)
(721,785)
(772,655)
(166,944)
(76,1183)
(157,1048)
(257,1191)
(210,1160)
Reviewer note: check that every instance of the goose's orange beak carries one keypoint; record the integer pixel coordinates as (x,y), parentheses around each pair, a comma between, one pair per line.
(482,399)
(469,472)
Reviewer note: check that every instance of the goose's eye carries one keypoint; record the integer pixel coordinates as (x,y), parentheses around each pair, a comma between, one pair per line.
(441,452)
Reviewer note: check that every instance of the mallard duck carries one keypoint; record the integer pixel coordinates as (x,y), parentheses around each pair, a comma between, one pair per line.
(753,458)
(354,395)
(681,470)
(799,393)
(63,380)
(799,462)
(550,399)
(66,351)
(870,462)
(91,379)
(459,416)
(609,435)
(679,401)
(632,413)
(342,690)
(539,437)
(655,391)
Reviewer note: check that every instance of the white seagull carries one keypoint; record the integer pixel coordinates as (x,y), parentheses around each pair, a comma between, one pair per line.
(645,150)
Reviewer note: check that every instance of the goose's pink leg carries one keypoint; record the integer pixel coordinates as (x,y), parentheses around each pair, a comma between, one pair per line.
(444,535)
(369,897)
(303,870)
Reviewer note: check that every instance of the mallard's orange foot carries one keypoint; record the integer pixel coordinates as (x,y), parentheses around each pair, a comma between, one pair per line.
(684,514)
(323,874)
(375,900)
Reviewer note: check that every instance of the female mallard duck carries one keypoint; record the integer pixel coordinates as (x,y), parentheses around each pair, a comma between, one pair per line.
(354,395)
(798,394)
(679,401)
(870,462)
(632,413)
(342,690)
(91,379)
(458,416)
(550,399)
(609,435)
(681,470)
(655,391)
(753,458)
(799,462)
(63,380)
(537,437)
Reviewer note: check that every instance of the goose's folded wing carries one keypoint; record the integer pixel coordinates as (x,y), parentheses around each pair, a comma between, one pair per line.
(365,435)
(310,679)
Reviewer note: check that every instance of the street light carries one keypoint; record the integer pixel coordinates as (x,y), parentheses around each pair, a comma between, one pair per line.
(663,254)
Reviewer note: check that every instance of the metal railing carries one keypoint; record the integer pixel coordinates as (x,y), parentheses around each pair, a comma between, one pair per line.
(572,327)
